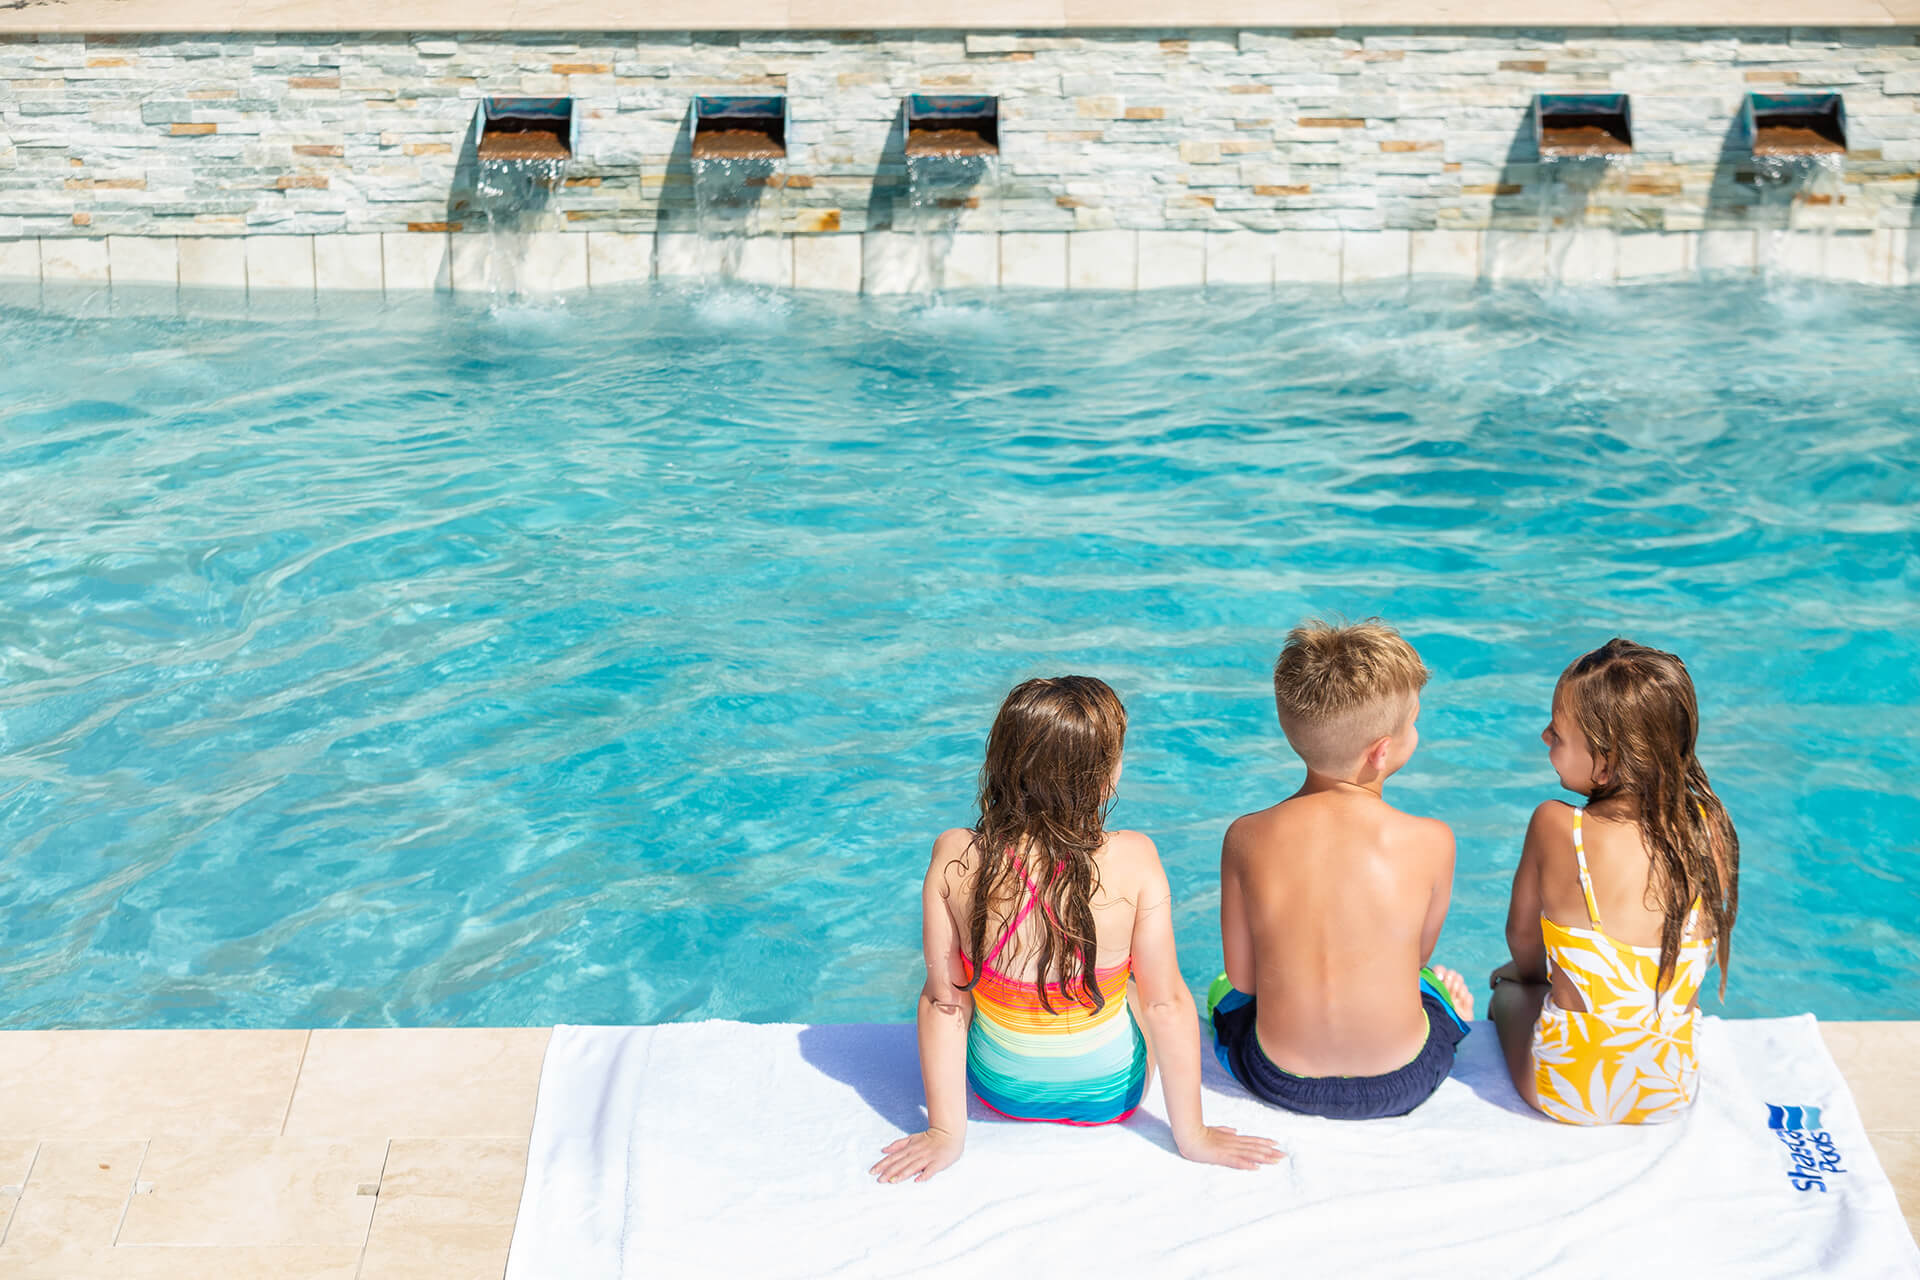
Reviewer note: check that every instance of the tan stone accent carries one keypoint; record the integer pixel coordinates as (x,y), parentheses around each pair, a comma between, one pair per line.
(428,148)
(184,130)
(1433,145)
(817,220)
(319,149)
(1331,122)
(435,226)
(1146,113)
(581,69)
(308,181)
(1773,77)
(313,82)
(1523,64)
(1650,185)
(1305,189)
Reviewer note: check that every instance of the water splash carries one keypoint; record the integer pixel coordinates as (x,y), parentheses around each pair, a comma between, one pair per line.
(1786,182)
(941,190)
(731,202)
(507,190)
(1568,182)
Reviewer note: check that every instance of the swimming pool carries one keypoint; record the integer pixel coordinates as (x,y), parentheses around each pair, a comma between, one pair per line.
(429,662)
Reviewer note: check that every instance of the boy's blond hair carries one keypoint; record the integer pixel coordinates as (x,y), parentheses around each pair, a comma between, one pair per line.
(1340,689)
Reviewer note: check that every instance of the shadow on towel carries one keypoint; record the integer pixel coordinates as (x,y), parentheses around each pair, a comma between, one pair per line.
(881,1063)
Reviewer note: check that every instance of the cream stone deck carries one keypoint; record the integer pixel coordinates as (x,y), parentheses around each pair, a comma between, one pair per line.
(382,1155)
(111,16)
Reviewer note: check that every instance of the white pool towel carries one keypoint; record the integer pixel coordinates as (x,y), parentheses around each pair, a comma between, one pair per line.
(728,1149)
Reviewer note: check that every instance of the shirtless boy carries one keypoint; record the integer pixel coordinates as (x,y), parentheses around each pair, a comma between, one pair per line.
(1332,900)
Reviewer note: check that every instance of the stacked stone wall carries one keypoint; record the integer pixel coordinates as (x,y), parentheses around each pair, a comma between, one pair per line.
(1269,130)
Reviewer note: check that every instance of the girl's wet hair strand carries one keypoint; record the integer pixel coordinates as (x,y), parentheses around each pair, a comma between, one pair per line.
(1045,789)
(1641,719)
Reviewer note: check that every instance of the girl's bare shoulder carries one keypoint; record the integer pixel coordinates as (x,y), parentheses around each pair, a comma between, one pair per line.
(952,853)
(1129,862)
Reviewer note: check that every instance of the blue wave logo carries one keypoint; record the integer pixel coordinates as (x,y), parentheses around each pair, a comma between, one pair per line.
(1812,1156)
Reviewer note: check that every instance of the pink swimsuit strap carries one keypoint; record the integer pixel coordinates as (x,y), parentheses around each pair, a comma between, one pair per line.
(1033,896)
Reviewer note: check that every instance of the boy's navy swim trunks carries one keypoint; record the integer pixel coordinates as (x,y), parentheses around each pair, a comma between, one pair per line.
(1336,1097)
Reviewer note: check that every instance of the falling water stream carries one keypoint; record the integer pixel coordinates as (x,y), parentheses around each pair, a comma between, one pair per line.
(507,188)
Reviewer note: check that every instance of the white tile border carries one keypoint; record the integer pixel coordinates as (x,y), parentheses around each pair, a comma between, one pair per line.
(215,262)
(1172,259)
(619,257)
(1375,255)
(82,261)
(1033,259)
(143,260)
(20,260)
(280,262)
(905,262)
(348,262)
(1447,254)
(1103,260)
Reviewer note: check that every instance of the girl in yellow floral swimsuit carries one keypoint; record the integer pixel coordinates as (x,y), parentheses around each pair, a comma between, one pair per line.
(1620,906)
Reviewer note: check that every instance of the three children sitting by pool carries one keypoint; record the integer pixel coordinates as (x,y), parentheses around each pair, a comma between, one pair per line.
(1053,991)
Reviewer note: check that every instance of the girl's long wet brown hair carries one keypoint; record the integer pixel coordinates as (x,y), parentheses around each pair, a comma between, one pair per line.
(1637,708)
(1044,793)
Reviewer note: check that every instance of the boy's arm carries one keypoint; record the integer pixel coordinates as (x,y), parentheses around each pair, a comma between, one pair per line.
(1524,908)
(944,1014)
(1440,896)
(1236,934)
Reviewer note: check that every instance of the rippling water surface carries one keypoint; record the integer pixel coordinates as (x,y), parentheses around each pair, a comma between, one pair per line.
(432,663)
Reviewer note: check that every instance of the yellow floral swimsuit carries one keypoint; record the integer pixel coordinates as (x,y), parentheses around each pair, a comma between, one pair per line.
(1629,1058)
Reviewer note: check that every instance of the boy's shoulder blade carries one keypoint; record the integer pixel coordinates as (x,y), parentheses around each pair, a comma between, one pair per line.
(1251,834)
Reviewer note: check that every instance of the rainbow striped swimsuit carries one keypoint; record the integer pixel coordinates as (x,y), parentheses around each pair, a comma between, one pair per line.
(1073,1066)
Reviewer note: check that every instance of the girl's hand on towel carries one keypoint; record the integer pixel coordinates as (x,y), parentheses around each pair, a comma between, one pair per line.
(918,1156)
(1218,1144)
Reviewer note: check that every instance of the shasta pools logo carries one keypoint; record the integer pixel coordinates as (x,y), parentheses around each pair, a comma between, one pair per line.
(1811,1154)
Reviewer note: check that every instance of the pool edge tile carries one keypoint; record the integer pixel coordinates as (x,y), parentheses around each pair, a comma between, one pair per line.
(419,1083)
(120,1084)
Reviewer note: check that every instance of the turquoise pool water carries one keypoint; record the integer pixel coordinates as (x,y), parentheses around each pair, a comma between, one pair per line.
(617,661)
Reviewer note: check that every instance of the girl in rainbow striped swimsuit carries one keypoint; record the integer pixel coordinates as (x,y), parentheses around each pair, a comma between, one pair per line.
(1059,914)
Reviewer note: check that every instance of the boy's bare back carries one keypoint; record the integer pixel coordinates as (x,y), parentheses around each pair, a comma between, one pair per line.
(1330,902)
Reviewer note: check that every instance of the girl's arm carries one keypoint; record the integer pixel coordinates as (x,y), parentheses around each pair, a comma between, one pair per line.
(1173,1030)
(1529,949)
(944,1014)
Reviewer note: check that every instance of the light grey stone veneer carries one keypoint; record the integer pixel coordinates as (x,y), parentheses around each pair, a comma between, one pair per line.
(1215,156)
